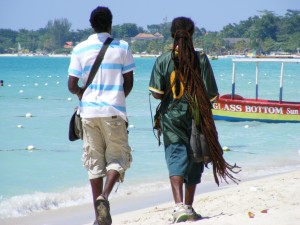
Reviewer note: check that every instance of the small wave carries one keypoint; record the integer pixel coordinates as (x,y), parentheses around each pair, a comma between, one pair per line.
(23,205)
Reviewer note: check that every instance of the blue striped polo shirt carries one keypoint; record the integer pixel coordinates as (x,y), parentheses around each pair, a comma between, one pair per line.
(105,96)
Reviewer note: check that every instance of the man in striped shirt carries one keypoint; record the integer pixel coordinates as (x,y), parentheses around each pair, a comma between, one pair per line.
(103,109)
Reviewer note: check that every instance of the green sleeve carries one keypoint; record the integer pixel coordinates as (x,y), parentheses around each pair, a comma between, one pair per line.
(157,80)
(208,77)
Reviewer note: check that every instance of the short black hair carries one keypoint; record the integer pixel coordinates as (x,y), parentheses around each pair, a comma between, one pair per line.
(101,19)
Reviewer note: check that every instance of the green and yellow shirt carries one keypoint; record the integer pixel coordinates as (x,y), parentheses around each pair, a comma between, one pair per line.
(176,117)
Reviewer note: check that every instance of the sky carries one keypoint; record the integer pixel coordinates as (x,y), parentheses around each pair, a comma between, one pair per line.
(212,15)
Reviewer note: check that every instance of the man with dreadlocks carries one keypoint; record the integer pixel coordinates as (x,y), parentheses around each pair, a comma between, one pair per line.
(184,82)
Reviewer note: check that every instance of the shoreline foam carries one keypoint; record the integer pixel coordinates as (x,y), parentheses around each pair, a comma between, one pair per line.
(275,195)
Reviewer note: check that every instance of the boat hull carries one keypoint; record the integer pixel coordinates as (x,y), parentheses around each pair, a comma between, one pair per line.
(256,110)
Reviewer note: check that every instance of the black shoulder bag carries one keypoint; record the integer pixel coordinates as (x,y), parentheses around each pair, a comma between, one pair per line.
(75,126)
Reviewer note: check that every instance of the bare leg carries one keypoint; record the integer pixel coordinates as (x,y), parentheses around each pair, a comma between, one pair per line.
(111,179)
(189,194)
(97,187)
(177,188)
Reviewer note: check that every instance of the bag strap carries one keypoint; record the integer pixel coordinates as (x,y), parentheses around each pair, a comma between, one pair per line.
(97,62)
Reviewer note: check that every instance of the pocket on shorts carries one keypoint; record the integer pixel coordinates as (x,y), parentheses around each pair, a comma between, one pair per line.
(118,138)
(117,127)
(127,157)
(86,158)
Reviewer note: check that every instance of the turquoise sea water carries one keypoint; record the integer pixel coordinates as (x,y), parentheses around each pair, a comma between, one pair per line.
(52,176)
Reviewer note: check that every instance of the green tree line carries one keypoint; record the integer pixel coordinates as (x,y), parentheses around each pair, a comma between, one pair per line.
(265,33)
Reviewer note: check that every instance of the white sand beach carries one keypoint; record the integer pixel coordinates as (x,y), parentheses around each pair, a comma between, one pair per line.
(273,200)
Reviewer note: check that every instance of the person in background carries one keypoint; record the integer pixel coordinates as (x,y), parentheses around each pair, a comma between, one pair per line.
(1,83)
(103,109)
(175,77)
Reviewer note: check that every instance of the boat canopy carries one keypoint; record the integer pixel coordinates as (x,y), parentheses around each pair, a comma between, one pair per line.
(257,61)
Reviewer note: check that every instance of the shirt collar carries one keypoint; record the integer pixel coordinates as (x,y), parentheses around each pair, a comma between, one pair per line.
(100,36)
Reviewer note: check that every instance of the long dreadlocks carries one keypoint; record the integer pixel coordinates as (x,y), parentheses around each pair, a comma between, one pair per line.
(188,73)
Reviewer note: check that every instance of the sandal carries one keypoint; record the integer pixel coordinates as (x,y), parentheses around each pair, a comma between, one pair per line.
(103,212)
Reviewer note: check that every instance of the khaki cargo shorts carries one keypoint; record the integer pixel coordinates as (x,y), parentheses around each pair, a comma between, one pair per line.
(105,146)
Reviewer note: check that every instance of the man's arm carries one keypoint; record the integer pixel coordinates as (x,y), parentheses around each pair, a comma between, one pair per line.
(128,83)
(73,86)
(156,95)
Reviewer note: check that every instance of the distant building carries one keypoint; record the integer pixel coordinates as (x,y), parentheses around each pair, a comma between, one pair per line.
(68,45)
(147,37)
